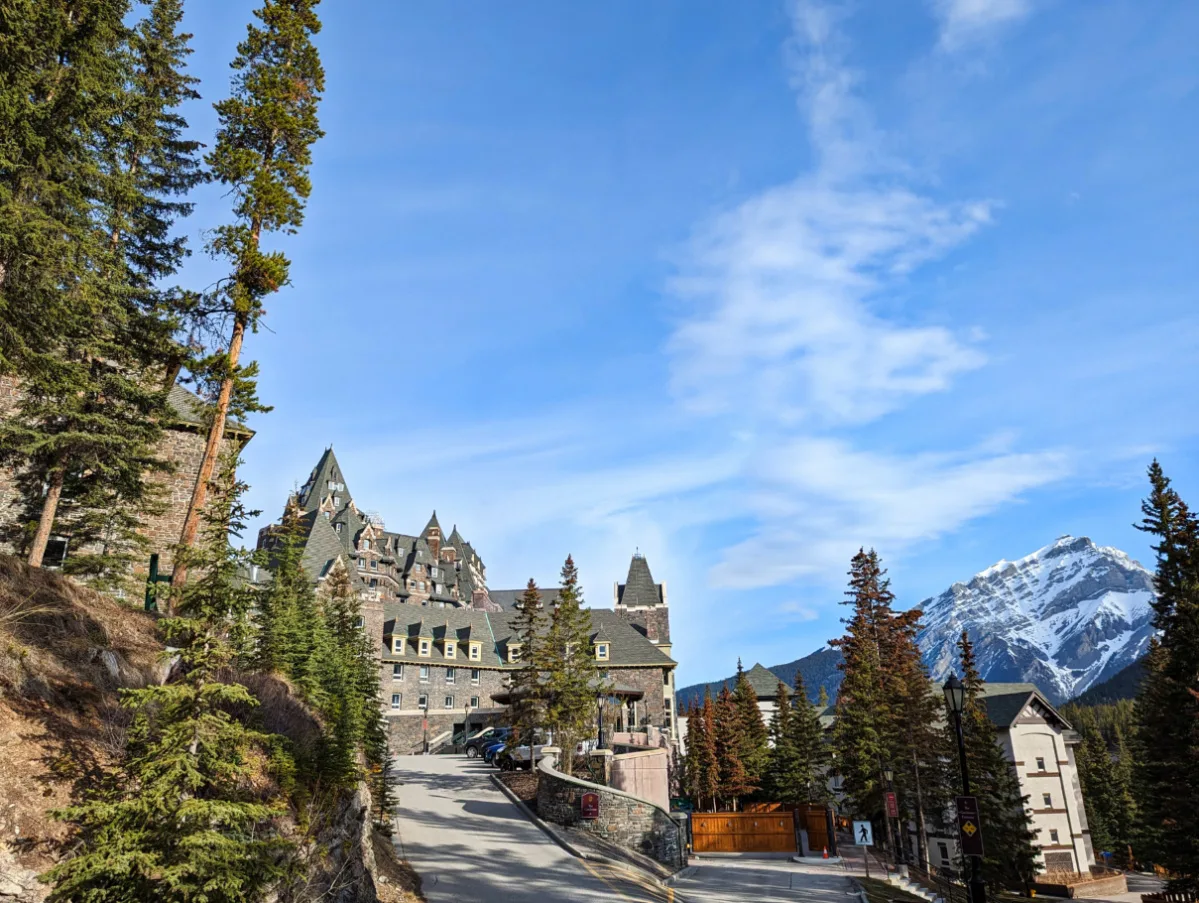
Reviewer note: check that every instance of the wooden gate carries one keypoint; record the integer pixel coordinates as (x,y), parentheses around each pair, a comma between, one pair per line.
(743,832)
(814,820)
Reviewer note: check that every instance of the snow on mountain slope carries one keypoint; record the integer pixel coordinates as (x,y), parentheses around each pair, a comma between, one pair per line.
(1066,617)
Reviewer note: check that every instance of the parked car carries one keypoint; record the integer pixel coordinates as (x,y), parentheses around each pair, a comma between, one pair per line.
(491,748)
(474,746)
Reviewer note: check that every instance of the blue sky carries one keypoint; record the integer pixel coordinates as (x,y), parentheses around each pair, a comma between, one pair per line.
(743,285)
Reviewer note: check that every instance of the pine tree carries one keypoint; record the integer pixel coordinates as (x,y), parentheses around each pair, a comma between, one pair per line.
(181,821)
(572,679)
(1010,858)
(729,742)
(1167,737)
(807,738)
(263,152)
(754,752)
(705,767)
(778,783)
(527,688)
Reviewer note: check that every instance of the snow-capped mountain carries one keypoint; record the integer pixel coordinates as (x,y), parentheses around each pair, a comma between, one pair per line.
(1066,617)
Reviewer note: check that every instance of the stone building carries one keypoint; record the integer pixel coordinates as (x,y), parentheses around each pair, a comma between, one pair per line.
(182,447)
(445,641)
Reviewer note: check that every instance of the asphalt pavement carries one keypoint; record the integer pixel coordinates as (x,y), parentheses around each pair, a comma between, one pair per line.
(470,844)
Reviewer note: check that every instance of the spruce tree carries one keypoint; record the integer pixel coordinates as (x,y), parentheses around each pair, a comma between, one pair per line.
(528,690)
(705,767)
(863,713)
(729,742)
(1009,856)
(808,778)
(1167,736)
(182,819)
(778,783)
(263,152)
(754,751)
(572,679)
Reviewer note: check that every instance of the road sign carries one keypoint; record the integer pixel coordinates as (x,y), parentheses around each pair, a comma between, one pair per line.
(892,805)
(863,834)
(590,805)
(970,826)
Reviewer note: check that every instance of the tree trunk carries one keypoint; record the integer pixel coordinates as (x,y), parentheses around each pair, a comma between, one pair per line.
(921,827)
(216,432)
(37,550)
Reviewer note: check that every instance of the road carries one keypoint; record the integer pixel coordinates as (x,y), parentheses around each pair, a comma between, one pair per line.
(469,844)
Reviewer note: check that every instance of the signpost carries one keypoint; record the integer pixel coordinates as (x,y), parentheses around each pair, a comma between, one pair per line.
(970,832)
(892,805)
(589,806)
(863,836)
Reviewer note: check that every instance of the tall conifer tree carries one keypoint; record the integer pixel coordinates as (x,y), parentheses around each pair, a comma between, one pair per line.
(572,679)
(1167,739)
(754,750)
(528,690)
(729,742)
(263,152)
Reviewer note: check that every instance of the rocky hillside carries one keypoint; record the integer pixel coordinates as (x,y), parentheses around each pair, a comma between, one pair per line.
(1066,617)
(65,654)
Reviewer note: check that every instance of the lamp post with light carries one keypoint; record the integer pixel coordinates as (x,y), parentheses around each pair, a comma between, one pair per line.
(955,696)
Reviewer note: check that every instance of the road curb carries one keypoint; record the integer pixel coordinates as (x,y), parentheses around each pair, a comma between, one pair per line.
(535,819)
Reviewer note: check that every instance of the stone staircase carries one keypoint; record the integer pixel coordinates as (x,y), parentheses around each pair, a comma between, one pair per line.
(906,884)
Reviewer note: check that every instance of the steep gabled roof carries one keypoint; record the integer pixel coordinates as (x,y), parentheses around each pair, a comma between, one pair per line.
(1005,701)
(327,471)
(322,548)
(639,589)
(431,525)
(764,684)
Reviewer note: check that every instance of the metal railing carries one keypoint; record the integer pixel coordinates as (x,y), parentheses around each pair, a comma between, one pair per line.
(944,884)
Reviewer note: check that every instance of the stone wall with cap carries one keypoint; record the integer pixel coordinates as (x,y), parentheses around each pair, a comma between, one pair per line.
(624,820)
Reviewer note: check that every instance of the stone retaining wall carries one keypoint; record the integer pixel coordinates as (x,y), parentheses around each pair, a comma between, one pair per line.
(625,820)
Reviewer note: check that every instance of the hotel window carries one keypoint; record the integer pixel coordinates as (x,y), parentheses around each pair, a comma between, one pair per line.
(361,564)
(474,676)
(450,675)
(476,652)
(449,702)
(474,702)
(601,652)
(943,849)
(366,544)
(425,646)
(360,622)
(1040,763)
(1053,835)
(336,527)
(451,649)
(434,572)
(374,565)
(374,583)
(395,700)
(424,674)
(397,645)
(397,671)
(337,501)
(514,652)
(1048,799)
(423,702)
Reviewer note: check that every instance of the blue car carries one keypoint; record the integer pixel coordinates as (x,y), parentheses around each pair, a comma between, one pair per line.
(489,751)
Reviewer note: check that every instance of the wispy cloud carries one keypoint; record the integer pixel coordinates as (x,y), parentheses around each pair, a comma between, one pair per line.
(965,22)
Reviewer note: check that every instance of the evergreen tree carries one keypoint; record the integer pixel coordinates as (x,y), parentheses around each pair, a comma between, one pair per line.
(262,154)
(754,751)
(572,679)
(728,739)
(528,691)
(181,820)
(807,738)
(1167,736)
(703,769)
(1010,858)
(863,713)
(778,783)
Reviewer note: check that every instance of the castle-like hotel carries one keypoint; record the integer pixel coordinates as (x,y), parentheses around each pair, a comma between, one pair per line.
(445,640)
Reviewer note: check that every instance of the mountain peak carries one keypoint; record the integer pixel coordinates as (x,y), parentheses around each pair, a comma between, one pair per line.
(1065,617)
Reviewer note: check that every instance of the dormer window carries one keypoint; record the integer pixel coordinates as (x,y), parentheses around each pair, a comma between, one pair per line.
(374,565)
(514,651)
(362,564)
(451,649)
(601,652)
(425,648)
(336,527)
(476,652)
(336,501)
(397,645)
(366,544)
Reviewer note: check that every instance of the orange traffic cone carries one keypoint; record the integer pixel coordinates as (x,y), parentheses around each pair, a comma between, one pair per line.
(826,852)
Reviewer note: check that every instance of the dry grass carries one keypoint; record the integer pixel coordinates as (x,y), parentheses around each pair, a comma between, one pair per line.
(398,882)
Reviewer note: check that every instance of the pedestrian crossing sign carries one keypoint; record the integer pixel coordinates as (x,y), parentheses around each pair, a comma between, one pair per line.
(863,834)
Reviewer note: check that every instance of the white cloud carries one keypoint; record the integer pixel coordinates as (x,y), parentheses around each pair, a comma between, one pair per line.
(965,22)
(777,319)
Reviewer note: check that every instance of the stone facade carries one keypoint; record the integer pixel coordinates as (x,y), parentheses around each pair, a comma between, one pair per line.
(624,820)
(182,447)
(471,695)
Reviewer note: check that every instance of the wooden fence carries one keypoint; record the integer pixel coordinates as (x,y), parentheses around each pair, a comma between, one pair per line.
(743,832)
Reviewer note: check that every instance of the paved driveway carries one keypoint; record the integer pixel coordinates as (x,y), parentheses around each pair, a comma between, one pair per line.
(471,845)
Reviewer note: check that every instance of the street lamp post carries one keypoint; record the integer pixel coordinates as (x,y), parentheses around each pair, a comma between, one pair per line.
(955,695)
